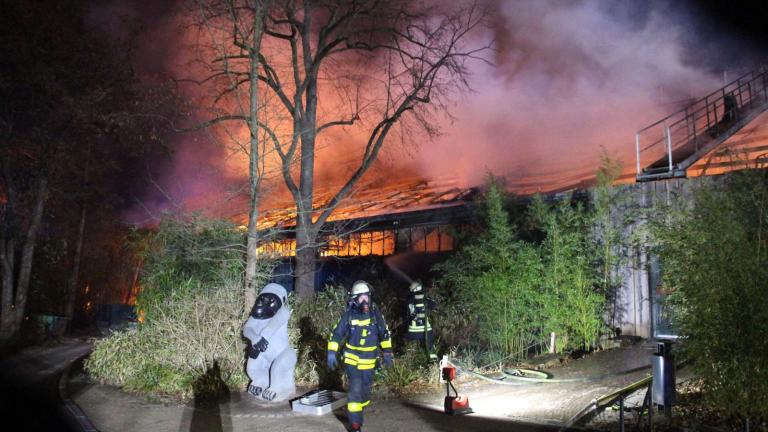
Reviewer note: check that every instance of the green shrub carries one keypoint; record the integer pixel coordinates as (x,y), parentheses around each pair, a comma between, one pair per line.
(504,293)
(193,313)
(570,301)
(411,372)
(184,255)
(188,337)
(492,279)
(714,254)
(310,328)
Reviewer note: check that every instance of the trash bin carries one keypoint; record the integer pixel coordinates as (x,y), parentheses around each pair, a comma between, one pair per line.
(50,326)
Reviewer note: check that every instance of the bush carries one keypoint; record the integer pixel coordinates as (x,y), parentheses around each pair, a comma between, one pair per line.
(310,328)
(506,293)
(188,336)
(571,304)
(411,372)
(193,313)
(184,255)
(493,277)
(714,254)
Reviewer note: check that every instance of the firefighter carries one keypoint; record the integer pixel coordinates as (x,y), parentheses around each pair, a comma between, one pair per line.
(419,328)
(362,332)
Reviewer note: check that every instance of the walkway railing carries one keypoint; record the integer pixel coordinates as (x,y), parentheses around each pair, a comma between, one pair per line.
(668,147)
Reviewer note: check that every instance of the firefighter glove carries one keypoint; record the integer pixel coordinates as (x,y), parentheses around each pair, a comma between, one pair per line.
(262,345)
(389,361)
(332,359)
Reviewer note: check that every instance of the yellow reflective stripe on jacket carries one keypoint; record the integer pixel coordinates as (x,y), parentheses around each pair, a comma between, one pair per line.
(358,348)
(357,406)
(386,344)
(333,346)
(366,321)
(354,358)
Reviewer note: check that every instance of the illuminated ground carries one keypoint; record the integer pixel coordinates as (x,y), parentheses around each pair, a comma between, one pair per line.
(516,408)
(540,407)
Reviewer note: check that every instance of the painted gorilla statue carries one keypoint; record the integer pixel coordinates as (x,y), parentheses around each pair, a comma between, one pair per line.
(270,358)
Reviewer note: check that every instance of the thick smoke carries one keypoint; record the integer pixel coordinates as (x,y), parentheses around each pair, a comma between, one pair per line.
(570,78)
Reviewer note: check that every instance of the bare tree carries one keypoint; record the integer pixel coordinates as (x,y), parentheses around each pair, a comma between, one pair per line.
(367,65)
(231,33)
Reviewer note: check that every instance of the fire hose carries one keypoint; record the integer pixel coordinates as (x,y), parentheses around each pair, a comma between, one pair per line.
(524,376)
(463,369)
(515,377)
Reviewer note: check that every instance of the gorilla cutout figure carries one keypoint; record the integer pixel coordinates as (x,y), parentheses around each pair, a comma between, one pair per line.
(270,359)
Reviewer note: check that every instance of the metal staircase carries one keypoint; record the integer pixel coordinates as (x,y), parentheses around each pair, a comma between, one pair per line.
(667,148)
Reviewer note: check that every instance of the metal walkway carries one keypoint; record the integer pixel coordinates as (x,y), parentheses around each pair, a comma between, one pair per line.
(667,148)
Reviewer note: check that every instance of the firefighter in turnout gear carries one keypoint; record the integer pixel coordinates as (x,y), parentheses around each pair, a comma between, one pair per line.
(362,333)
(419,328)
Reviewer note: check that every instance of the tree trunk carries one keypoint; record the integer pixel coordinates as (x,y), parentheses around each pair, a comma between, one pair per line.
(306,259)
(249,297)
(13,313)
(7,252)
(71,297)
(306,236)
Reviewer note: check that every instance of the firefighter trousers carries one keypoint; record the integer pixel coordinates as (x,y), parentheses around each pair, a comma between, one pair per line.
(359,395)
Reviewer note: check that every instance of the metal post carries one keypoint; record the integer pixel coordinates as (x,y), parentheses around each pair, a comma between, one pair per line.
(738,87)
(650,407)
(637,149)
(669,145)
(693,122)
(690,122)
(621,414)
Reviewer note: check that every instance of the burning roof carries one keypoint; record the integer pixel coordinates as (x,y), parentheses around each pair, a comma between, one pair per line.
(369,200)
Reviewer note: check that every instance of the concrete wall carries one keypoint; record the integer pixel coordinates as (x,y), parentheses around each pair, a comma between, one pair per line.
(630,308)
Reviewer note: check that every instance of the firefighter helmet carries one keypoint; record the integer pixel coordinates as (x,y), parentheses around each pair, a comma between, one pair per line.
(360,287)
(416,287)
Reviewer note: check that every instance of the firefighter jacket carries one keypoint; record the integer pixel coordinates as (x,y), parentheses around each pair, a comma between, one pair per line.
(361,336)
(417,313)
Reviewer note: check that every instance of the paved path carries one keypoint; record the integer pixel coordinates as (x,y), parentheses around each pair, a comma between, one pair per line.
(29,386)
(31,376)
(539,407)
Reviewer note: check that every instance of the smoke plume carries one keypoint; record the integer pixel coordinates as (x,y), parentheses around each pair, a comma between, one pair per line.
(567,79)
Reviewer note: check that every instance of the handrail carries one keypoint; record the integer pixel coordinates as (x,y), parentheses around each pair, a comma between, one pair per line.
(668,146)
(697,101)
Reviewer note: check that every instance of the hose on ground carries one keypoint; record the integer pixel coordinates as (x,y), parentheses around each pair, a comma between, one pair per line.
(535,376)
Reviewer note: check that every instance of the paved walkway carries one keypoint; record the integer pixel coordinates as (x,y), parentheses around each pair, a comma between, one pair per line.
(29,386)
(537,407)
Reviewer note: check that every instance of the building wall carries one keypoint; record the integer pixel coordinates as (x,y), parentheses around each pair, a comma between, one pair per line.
(630,309)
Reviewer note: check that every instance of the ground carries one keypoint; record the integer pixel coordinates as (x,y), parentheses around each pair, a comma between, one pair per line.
(537,407)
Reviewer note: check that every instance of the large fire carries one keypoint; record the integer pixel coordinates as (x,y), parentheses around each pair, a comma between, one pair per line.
(372,243)
(370,200)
